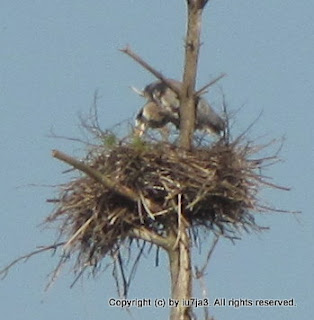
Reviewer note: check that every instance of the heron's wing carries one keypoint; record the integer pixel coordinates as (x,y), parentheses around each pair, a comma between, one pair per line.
(206,117)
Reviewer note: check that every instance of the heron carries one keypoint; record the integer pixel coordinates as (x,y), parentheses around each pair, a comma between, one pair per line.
(159,92)
(163,107)
(155,116)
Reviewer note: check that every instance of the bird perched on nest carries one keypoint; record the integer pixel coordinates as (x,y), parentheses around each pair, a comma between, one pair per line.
(163,107)
(156,116)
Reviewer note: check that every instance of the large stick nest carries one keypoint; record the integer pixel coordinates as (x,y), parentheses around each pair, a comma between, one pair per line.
(214,187)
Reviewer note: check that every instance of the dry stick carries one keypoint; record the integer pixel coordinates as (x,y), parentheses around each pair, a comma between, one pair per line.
(5,270)
(201,91)
(157,74)
(78,232)
(179,221)
(199,274)
(106,182)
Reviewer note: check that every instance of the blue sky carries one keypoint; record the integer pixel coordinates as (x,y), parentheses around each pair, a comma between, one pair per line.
(55,54)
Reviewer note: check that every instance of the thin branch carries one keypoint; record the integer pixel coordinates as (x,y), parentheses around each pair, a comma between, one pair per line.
(123,276)
(78,233)
(55,136)
(106,182)
(201,91)
(248,128)
(135,264)
(5,270)
(267,208)
(202,3)
(200,273)
(145,65)
(57,270)
(81,272)
(179,221)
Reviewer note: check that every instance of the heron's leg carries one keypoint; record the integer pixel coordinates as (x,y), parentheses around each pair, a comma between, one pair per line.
(139,129)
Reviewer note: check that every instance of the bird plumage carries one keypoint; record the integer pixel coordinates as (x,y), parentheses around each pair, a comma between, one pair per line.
(155,116)
(163,107)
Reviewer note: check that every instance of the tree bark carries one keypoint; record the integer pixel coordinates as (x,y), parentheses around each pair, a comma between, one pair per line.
(181,281)
(192,45)
(180,253)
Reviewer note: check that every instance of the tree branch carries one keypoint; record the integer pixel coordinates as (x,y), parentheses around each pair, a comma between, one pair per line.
(4,271)
(150,236)
(203,3)
(201,91)
(106,182)
(199,3)
(152,70)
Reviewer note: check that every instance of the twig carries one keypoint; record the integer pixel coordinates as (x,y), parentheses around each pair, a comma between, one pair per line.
(145,65)
(202,3)
(78,232)
(151,215)
(5,270)
(123,276)
(135,264)
(55,273)
(200,91)
(179,221)
(199,274)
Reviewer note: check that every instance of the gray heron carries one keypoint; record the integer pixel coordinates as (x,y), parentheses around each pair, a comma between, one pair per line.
(163,107)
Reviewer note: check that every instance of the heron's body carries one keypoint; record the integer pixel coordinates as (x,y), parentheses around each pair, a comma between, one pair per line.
(159,92)
(163,107)
(155,116)
(207,119)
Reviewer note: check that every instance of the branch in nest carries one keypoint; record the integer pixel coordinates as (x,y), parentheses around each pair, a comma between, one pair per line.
(106,182)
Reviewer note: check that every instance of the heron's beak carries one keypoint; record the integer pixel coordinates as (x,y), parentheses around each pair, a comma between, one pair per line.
(138,91)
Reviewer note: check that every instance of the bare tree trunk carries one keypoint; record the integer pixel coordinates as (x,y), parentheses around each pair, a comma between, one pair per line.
(181,281)
(180,254)
(192,45)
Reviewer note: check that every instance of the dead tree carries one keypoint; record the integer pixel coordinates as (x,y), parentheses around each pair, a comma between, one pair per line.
(157,193)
